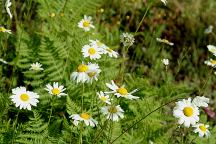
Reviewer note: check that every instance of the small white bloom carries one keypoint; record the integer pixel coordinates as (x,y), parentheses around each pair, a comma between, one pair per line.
(212,49)
(3,61)
(164,1)
(4,30)
(7,5)
(36,66)
(211,63)
(56,89)
(24,99)
(121,91)
(200,101)
(93,72)
(202,130)
(91,51)
(209,30)
(165,62)
(81,74)
(88,120)
(98,43)
(103,97)
(164,41)
(127,39)
(113,112)
(86,23)
(186,112)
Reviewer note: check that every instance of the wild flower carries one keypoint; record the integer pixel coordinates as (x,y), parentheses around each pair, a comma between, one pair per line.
(113,113)
(4,30)
(86,73)
(92,51)
(86,23)
(200,101)
(88,120)
(56,89)
(212,49)
(209,30)
(165,62)
(7,6)
(127,39)
(186,112)
(164,1)
(121,91)
(24,99)
(93,72)
(211,63)
(202,130)
(103,97)
(36,66)
(164,41)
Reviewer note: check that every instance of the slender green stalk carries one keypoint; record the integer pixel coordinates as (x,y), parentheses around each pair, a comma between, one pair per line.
(143,119)
(14,126)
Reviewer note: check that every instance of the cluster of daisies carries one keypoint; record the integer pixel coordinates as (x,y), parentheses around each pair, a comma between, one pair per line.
(88,72)
(187,112)
(211,62)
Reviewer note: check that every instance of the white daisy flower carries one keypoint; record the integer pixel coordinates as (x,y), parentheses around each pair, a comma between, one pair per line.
(93,72)
(200,101)
(212,49)
(88,120)
(103,97)
(7,5)
(91,51)
(105,49)
(98,43)
(202,130)
(36,66)
(164,41)
(81,74)
(165,62)
(121,91)
(4,30)
(211,63)
(209,30)
(24,99)
(127,39)
(164,1)
(86,23)
(56,89)
(113,113)
(110,52)
(186,112)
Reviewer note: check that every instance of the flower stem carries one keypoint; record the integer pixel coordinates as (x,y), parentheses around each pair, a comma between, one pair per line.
(143,119)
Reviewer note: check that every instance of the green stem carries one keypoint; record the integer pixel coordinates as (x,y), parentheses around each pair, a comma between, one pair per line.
(143,119)
(14,126)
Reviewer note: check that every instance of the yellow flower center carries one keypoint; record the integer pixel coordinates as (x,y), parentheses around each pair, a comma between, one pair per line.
(82,68)
(91,74)
(188,111)
(55,91)
(112,109)
(2,29)
(52,15)
(85,116)
(103,98)
(165,41)
(122,91)
(202,128)
(213,62)
(91,51)
(24,97)
(86,23)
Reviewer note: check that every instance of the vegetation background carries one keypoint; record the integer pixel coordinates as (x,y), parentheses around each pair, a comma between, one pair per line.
(46,31)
